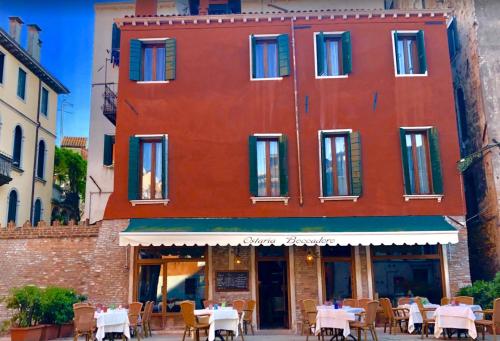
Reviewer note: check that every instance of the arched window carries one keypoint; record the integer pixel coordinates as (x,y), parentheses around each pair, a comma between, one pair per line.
(12,212)
(41,159)
(18,141)
(37,214)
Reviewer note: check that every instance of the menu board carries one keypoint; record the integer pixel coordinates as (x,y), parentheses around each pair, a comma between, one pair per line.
(231,280)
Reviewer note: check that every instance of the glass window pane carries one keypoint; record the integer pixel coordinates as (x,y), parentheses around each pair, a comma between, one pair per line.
(401,56)
(337,280)
(160,64)
(172,252)
(341,165)
(185,281)
(261,169)
(328,167)
(158,171)
(150,283)
(274,167)
(333,53)
(272,59)
(335,251)
(259,60)
(409,53)
(423,180)
(402,250)
(271,251)
(148,64)
(409,151)
(146,170)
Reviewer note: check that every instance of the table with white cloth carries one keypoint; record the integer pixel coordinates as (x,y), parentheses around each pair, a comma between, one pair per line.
(455,317)
(414,316)
(328,317)
(112,321)
(221,319)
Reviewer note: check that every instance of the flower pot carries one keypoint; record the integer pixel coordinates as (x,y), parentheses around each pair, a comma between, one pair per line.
(51,331)
(66,330)
(27,334)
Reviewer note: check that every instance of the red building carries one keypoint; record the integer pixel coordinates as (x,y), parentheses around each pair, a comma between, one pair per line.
(307,154)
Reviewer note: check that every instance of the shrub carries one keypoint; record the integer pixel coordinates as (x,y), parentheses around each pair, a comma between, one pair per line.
(484,292)
(27,305)
(57,305)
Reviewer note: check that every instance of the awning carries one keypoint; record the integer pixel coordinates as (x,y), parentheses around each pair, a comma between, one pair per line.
(311,231)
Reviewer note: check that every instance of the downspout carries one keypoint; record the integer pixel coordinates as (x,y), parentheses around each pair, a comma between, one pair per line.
(36,150)
(297,124)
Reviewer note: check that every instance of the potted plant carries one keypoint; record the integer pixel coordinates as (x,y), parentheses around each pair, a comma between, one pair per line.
(26,305)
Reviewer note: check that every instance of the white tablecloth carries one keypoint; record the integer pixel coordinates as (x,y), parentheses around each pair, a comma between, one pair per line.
(455,317)
(112,321)
(221,319)
(415,316)
(328,317)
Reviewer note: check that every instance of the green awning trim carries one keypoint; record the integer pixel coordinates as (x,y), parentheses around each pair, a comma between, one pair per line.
(293,225)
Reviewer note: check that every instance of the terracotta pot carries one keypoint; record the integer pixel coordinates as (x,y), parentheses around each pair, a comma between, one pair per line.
(27,334)
(66,330)
(51,331)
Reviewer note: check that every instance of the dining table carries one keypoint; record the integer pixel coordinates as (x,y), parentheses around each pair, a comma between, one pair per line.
(414,314)
(222,318)
(112,321)
(460,317)
(337,319)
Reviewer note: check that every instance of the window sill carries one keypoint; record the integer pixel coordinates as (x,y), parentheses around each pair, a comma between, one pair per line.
(40,180)
(17,169)
(353,198)
(332,77)
(153,82)
(163,202)
(109,166)
(402,75)
(437,197)
(267,79)
(270,199)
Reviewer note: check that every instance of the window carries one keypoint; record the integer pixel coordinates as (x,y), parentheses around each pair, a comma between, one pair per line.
(21,84)
(115,45)
(12,210)
(109,150)
(268,166)
(461,109)
(44,104)
(337,271)
(421,161)
(37,212)
(409,48)
(148,158)
(152,61)
(40,167)
(453,39)
(333,54)
(2,62)
(18,141)
(270,56)
(229,7)
(340,163)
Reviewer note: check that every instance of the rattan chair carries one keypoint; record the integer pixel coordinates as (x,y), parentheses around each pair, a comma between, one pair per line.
(350,302)
(190,320)
(426,321)
(394,316)
(134,312)
(84,322)
(494,323)
(239,306)
(445,301)
(248,316)
(368,323)
(404,300)
(309,312)
(363,303)
(146,318)
(207,303)
(464,300)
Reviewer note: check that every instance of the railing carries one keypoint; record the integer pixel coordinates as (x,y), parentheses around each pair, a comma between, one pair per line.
(109,106)
(5,169)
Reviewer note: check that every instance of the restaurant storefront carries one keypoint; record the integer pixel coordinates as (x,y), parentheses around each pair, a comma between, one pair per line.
(278,269)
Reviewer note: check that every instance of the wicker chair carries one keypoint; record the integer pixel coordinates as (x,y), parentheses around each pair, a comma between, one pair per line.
(248,316)
(464,300)
(207,303)
(445,301)
(403,300)
(494,323)
(239,305)
(394,316)
(134,312)
(146,318)
(84,322)
(190,321)
(426,321)
(350,302)
(308,311)
(368,323)
(363,303)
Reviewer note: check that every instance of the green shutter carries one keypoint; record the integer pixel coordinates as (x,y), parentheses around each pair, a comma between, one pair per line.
(135,60)
(164,167)
(435,156)
(108,150)
(421,52)
(355,159)
(346,53)
(404,158)
(170,58)
(283,155)
(323,163)
(320,53)
(252,165)
(254,58)
(133,168)
(396,52)
(283,55)
(115,38)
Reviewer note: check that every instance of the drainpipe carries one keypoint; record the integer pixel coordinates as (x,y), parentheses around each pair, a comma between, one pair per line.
(36,150)
(296,100)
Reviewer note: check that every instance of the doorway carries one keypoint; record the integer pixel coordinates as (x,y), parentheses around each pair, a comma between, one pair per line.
(272,277)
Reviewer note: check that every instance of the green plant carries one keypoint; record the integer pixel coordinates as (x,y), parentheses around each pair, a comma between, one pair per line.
(484,292)
(57,305)
(26,303)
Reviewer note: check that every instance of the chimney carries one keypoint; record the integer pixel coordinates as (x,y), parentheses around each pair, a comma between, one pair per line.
(15,25)
(34,42)
(146,7)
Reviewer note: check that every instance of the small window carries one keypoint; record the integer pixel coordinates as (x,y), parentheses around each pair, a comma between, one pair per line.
(151,169)
(333,54)
(21,84)
(453,39)
(109,150)
(40,167)
(2,62)
(12,210)
(153,62)
(44,105)
(410,56)
(17,149)
(270,56)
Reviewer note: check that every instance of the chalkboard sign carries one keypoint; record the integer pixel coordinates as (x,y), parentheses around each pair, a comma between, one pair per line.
(236,280)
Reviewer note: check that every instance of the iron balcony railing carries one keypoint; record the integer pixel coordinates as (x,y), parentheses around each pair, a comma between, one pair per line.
(109,106)
(5,169)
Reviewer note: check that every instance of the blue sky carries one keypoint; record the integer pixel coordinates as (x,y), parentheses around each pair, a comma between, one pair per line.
(67,40)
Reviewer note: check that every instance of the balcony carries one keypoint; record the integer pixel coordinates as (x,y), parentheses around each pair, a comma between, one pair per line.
(109,106)
(5,169)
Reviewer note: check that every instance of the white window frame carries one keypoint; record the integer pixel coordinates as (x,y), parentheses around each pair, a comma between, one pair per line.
(152,41)
(394,57)
(164,201)
(322,198)
(250,56)
(329,34)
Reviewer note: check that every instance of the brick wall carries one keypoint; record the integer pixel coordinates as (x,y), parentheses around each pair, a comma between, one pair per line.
(458,261)
(306,278)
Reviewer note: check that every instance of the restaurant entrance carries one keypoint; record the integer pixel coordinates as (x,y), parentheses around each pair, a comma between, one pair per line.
(272,279)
